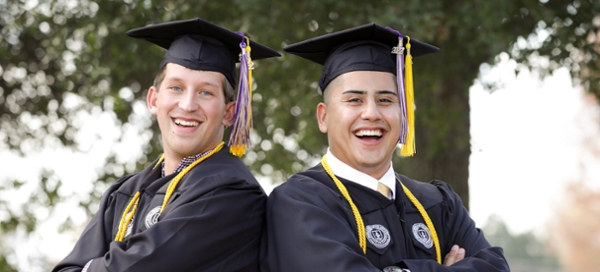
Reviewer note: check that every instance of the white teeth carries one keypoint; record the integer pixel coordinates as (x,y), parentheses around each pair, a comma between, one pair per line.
(186,123)
(362,133)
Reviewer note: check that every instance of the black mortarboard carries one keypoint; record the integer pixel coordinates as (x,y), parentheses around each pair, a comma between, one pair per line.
(369,47)
(363,48)
(200,45)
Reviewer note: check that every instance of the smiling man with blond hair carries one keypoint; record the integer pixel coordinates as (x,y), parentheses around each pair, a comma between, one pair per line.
(197,207)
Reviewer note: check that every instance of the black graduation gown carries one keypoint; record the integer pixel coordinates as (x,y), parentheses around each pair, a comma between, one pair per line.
(310,227)
(213,222)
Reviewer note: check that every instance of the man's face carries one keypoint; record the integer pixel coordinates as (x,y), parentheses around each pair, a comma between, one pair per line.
(361,116)
(191,111)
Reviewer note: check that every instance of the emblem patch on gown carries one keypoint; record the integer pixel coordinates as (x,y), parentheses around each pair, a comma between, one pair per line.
(378,236)
(421,232)
(152,217)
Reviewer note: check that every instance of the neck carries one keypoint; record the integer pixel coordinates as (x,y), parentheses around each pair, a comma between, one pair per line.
(170,166)
(375,171)
(173,160)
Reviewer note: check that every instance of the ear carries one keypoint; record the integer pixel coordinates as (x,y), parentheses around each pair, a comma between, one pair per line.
(322,117)
(229,113)
(151,99)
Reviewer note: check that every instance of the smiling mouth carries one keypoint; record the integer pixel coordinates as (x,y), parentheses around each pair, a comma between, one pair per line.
(369,134)
(184,123)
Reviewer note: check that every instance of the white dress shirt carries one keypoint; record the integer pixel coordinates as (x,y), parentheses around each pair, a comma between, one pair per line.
(345,171)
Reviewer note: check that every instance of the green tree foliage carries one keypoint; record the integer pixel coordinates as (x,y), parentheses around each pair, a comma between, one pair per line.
(60,59)
(5,266)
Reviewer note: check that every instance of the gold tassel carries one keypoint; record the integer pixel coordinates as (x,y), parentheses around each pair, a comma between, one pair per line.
(409,147)
(238,150)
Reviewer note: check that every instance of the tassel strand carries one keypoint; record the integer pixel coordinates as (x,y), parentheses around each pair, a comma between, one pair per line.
(404,77)
(409,148)
(239,138)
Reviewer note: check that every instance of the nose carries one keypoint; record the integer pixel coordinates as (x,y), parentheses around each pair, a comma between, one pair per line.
(371,111)
(188,102)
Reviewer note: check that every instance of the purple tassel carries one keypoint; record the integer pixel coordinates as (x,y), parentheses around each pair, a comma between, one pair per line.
(240,131)
(399,51)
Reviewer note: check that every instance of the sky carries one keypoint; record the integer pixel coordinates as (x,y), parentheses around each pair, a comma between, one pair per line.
(526,147)
(527,142)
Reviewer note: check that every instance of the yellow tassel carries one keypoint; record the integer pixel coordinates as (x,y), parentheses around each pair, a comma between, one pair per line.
(250,68)
(241,150)
(238,150)
(409,147)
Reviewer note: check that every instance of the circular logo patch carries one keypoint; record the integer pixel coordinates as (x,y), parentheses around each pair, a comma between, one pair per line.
(152,217)
(378,236)
(422,234)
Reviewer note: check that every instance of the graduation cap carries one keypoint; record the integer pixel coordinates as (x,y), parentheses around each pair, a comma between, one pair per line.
(369,47)
(200,45)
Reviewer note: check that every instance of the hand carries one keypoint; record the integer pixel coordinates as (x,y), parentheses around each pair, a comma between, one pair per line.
(456,254)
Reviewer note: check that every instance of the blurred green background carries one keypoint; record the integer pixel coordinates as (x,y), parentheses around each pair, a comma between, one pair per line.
(65,62)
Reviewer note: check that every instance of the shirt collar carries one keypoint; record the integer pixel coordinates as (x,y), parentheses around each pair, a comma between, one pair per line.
(345,171)
(185,162)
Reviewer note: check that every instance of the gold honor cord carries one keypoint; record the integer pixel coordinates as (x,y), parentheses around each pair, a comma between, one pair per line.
(362,238)
(127,215)
(423,212)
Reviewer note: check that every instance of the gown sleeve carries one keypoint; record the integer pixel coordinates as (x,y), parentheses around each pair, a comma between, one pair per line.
(306,231)
(96,235)
(459,228)
(218,230)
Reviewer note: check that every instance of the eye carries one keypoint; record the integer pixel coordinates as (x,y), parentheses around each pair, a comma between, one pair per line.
(387,100)
(175,88)
(354,100)
(206,93)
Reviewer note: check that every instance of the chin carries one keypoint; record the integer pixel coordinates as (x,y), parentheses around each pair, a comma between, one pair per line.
(372,163)
(370,158)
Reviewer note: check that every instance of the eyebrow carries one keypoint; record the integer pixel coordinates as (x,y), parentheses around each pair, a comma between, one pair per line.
(364,92)
(179,79)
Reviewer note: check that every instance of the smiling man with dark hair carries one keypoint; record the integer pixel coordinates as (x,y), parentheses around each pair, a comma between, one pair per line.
(352,212)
